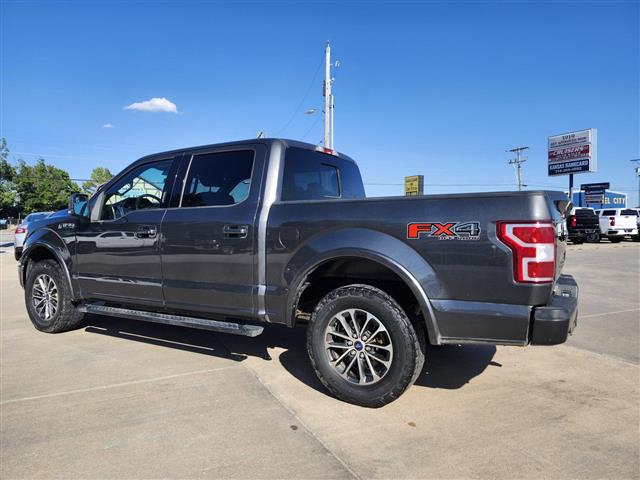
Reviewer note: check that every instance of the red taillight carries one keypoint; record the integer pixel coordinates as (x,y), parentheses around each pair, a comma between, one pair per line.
(534,249)
(612,221)
(574,222)
(21,230)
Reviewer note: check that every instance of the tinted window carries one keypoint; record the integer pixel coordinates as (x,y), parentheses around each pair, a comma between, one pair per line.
(311,175)
(218,179)
(629,211)
(142,187)
(608,212)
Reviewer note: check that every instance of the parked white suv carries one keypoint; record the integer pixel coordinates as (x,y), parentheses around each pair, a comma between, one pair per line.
(617,223)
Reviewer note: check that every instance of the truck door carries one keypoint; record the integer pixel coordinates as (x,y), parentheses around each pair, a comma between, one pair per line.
(208,253)
(118,254)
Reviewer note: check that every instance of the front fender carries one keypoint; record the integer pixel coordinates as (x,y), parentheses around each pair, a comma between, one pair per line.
(48,239)
(372,245)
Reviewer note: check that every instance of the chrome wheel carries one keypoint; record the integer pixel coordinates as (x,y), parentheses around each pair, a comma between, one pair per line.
(358,346)
(44,295)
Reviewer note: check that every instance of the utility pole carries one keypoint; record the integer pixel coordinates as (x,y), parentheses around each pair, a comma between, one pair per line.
(518,161)
(328,100)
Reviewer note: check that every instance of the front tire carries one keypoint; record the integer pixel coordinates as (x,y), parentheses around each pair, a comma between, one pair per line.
(48,298)
(363,347)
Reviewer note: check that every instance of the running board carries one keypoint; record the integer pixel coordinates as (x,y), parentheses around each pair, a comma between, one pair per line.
(178,320)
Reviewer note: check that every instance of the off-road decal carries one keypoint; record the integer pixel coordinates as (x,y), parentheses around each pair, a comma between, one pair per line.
(444,230)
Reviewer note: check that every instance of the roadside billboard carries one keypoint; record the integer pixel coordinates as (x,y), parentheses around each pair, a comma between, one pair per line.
(573,152)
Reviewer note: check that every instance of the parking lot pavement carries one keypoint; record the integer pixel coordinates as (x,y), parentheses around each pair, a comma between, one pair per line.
(123,399)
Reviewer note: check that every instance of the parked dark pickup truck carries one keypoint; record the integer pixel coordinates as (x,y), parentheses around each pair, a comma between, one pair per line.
(227,237)
(583,224)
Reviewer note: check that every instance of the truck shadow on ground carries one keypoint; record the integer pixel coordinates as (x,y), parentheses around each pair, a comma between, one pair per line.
(448,367)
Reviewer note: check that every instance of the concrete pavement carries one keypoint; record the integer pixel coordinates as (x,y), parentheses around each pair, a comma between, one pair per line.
(123,399)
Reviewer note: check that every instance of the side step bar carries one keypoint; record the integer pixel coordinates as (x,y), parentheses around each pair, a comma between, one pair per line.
(179,320)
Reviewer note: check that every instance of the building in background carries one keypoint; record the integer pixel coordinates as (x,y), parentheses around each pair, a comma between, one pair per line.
(611,200)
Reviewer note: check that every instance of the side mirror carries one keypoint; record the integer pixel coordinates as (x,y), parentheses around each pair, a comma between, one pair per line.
(79,205)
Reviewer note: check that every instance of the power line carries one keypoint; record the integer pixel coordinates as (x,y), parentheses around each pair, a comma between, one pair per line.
(315,122)
(304,98)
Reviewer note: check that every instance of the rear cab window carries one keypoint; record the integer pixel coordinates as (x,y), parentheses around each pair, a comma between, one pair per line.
(312,175)
(608,212)
(629,211)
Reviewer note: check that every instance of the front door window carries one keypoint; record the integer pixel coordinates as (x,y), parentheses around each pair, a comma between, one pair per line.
(141,188)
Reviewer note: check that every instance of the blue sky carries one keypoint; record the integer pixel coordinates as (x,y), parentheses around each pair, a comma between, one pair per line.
(434,88)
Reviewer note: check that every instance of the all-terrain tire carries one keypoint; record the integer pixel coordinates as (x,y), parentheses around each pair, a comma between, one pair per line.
(66,316)
(408,342)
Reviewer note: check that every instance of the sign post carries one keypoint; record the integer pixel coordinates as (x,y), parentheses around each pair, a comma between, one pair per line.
(414,185)
(573,152)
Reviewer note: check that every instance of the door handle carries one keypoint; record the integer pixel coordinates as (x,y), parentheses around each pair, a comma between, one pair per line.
(146,231)
(235,231)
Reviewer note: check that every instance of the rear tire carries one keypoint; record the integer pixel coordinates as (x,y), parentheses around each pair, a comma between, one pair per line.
(48,298)
(363,347)
(593,238)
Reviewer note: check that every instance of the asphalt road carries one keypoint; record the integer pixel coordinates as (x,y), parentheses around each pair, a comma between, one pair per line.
(120,399)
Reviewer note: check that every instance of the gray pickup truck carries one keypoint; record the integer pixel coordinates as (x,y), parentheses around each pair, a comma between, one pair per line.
(229,237)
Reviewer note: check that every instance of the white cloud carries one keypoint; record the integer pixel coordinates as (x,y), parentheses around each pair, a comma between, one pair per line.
(154,105)
(107,125)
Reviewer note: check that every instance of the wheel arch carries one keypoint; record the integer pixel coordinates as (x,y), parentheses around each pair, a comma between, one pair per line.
(387,255)
(41,249)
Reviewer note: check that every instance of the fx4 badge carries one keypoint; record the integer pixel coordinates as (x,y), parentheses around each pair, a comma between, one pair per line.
(444,231)
(64,226)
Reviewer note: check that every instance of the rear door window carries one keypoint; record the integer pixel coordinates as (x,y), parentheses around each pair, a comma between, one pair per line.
(218,179)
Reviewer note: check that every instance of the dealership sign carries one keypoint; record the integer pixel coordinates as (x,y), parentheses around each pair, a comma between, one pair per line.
(414,185)
(573,152)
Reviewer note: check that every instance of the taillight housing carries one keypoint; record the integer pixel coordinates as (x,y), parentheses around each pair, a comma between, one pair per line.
(574,222)
(612,221)
(534,250)
(21,230)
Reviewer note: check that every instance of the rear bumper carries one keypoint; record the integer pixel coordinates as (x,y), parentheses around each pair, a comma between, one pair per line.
(505,324)
(582,232)
(553,323)
(621,232)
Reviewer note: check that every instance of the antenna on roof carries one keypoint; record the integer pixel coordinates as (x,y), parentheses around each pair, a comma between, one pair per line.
(260,134)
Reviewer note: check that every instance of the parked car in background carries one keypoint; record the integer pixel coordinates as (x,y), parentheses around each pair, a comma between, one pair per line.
(617,223)
(3,224)
(21,232)
(583,224)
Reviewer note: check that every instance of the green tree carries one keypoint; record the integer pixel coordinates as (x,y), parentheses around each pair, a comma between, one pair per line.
(99,175)
(42,187)
(7,186)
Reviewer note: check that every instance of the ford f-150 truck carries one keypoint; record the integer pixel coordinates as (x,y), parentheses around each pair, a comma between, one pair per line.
(229,237)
